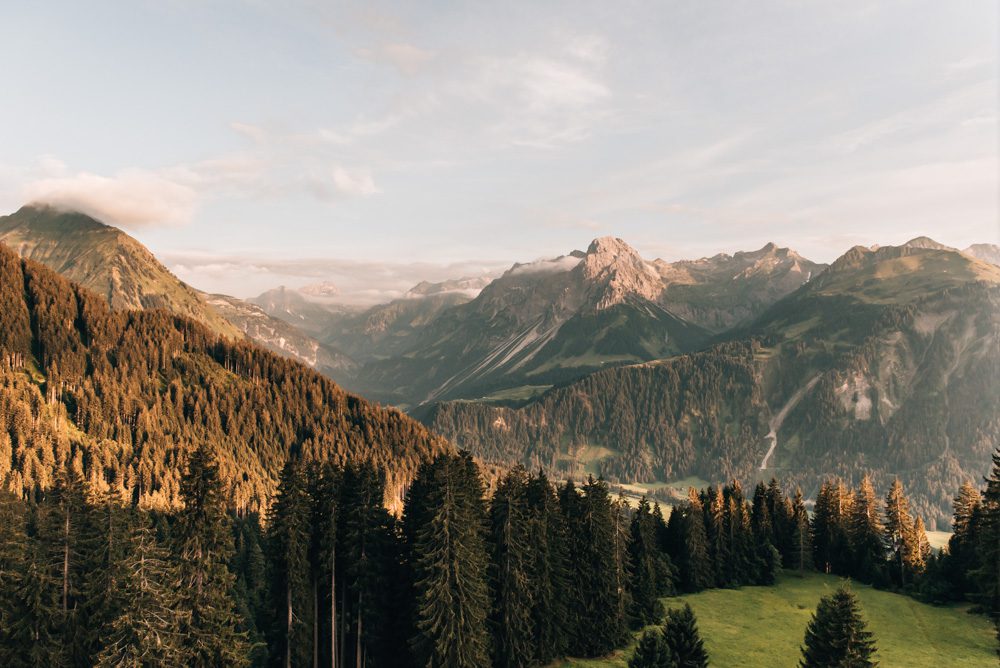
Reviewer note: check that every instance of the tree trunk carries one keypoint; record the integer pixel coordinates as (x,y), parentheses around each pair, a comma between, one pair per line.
(315,623)
(358,649)
(333,612)
(288,625)
(65,587)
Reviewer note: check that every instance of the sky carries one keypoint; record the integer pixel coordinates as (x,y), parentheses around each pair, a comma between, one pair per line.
(254,143)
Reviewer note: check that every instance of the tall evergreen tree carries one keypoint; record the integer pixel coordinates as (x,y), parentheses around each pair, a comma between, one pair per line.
(325,486)
(899,536)
(512,559)
(680,632)
(146,632)
(203,544)
(451,566)
(647,568)
(962,558)
(549,574)
(802,551)
(866,534)
(288,530)
(837,635)
(987,575)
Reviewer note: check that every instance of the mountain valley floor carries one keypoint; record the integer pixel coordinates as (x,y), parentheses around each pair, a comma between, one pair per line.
(763,627)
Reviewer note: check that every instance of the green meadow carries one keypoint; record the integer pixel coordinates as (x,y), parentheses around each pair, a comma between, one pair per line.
(763,627)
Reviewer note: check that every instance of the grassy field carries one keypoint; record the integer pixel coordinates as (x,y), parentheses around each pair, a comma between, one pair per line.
(763,627)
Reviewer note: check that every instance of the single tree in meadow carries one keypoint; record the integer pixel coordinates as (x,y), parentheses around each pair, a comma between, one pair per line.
(837,635)
(680,632)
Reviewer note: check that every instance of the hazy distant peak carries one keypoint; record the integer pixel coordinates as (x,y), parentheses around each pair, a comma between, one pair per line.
(985,252)
(323,289)
(926,242)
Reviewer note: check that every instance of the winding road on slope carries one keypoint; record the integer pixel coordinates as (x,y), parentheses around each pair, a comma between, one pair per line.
(775,423)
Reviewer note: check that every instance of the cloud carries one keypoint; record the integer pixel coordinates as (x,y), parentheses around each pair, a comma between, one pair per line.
(406,58)
(553,266)
(354,182)
(131,198)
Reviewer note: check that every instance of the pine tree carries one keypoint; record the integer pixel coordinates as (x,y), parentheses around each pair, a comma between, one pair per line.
(987,576)
(203,543)
(904,551)
(697,567)
(680,632)
(325,493)
(146,631)
(962,558)
(577,569)
(452,597)
(866,534)
(837,635)
(652,652)
(802,551)
(65,532)
(603,571)
(647,570)
(549,574)
(511,565)
(288,560)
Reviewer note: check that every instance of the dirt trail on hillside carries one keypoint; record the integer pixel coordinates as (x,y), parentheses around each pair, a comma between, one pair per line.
(775,423)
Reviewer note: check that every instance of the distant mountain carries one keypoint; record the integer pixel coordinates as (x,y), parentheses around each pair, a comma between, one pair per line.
(986,252)
(283,338)
(885,362)
(105,260)
(124,396)
(109,262)
(720,291)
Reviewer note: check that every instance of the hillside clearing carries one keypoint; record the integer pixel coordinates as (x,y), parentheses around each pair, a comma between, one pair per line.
(763,627)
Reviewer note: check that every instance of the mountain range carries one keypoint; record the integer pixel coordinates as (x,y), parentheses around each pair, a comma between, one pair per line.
(644,371)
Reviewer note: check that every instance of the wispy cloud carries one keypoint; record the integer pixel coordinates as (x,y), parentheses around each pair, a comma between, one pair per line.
(130,198)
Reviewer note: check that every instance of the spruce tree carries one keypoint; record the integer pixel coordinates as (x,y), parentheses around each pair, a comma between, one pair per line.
(146,632)
(837,635)
(697,567)
(899,536)
(802,551)
(647,568)
(290,637)
(987,575)
(866,534)
(680,632)
(549,576)
(962,558)
(325,494)
(652,652)
(452,596)
(203,544)
(510,572)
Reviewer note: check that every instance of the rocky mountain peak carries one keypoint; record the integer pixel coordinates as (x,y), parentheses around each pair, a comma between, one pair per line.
(619,271)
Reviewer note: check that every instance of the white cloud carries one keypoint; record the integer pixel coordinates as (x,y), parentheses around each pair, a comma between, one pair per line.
(553,266)
(130,198)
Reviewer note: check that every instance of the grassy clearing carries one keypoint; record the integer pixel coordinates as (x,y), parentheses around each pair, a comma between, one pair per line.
(764,626)
(519,393)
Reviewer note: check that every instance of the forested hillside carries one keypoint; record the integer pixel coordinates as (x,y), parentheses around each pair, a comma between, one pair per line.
(124,396)
(885,363)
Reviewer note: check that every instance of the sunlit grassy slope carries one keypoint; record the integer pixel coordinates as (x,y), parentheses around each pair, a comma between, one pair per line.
(763,627)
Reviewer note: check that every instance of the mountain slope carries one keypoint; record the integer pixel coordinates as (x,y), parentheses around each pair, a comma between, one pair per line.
(280,337)
(105,260)
(891,355)
(124,396)
(114,265)
(986,252)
